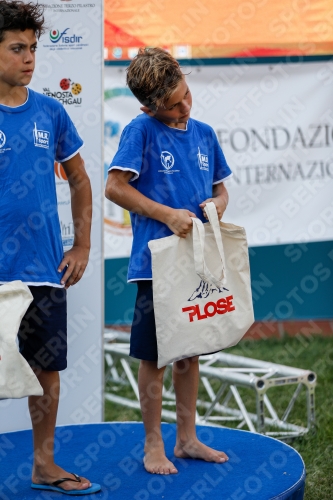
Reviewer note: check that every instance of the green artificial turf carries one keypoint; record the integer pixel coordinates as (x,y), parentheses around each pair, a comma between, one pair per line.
(309,352)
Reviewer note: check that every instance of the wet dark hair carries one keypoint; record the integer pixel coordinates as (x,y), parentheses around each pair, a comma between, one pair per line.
(19,16)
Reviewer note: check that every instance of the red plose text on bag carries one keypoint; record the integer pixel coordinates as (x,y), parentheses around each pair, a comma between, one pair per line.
(221,306)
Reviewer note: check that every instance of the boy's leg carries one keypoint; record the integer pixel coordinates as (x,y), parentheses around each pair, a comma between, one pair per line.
(43,343)
(186,382)
(43,412)
(144,347)
(150,388)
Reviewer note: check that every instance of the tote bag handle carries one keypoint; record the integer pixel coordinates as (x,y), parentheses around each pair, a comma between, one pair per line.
(201,267)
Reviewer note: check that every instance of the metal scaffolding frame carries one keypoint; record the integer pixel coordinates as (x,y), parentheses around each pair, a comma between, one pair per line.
(222,376)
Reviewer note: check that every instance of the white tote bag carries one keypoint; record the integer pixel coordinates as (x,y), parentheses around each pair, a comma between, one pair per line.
(201,289)
(17,379)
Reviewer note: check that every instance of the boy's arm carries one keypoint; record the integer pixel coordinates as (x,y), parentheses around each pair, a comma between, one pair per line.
(220,198)
(123,194)
(76,259)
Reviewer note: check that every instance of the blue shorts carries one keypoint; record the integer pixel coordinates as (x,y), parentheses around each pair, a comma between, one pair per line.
(143,343)
(43,331)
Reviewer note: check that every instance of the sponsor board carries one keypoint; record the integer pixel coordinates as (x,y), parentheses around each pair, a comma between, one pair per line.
(67,233)
(65,216)
(65,39)
(68,92)
(68,7)
(59,172)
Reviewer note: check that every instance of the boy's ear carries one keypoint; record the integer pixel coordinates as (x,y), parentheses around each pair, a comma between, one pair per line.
(147,110)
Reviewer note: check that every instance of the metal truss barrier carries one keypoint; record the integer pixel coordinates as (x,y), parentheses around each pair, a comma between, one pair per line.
(223,376)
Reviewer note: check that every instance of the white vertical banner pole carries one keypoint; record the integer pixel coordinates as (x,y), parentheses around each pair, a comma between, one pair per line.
(69,68)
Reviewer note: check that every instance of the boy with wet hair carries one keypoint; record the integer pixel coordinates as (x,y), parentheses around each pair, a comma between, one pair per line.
(35,130)
(167,167)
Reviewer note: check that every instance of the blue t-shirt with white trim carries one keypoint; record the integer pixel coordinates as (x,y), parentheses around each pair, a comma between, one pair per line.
(32,137)
(175,167)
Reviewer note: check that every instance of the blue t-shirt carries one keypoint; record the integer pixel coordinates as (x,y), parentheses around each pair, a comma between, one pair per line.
(32,137)
(175,167)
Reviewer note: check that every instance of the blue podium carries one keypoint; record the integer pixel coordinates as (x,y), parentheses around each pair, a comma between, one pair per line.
(259,467)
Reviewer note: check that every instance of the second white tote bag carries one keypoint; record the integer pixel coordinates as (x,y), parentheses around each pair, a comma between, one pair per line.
(17,379)
(201,289)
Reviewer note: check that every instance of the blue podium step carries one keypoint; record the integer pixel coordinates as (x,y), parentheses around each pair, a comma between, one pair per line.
(259,467)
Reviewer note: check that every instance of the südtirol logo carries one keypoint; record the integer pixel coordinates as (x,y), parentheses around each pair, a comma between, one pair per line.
(65,40)
(68,93)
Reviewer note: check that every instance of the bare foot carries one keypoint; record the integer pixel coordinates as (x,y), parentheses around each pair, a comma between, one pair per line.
(156,462)
(43,476)
(193,448)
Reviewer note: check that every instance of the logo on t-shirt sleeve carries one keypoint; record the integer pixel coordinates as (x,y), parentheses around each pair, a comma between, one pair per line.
(41,138)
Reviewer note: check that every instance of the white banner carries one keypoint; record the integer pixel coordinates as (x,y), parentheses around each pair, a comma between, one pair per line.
(275,126)
(120,106)
(69,68)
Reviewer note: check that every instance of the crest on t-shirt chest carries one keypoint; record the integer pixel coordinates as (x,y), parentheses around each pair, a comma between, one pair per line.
(167,161)
(3,140)
(202,160)
(41,138)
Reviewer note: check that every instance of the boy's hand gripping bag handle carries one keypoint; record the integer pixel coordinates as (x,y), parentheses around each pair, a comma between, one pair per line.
(201,267)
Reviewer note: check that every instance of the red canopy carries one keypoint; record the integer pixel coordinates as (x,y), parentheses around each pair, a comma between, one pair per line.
(219,28)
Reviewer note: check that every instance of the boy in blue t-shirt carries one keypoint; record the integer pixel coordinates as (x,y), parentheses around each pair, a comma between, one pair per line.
(35,130)
(167,167)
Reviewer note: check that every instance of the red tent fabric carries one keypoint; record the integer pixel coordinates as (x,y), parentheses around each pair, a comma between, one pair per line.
(115,36)
(220,28)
